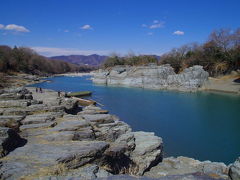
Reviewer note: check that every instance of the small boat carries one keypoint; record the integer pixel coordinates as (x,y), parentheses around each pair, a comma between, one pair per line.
(84,102)
(79,94)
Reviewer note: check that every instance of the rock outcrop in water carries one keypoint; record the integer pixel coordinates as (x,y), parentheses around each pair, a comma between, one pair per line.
(153,77)
(44,136)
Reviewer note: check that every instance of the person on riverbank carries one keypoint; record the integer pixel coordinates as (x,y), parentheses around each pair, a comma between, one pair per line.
(36,90)
(59,93)
(41,90)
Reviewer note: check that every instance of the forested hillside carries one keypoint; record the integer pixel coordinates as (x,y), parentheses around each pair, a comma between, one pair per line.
(25,60)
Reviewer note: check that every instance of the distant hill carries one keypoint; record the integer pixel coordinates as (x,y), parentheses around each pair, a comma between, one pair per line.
(90,60)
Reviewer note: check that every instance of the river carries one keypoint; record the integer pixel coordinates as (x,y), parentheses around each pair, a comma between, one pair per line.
(202,125)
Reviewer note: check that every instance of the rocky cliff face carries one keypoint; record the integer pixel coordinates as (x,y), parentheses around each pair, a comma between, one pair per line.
(153,77)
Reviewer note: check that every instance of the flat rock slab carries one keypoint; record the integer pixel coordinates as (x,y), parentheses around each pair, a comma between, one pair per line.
(60,136)
(14,111)
(11,96)
(38,118)
(48,97)
(71,125)
(99,118)
(28,159)
(34,126)
(15,103)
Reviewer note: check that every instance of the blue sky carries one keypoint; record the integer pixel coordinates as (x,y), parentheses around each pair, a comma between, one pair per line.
(55,27)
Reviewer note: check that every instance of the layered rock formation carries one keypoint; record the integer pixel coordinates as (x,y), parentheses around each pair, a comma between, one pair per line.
(47,137)
(44,135)
(153,77)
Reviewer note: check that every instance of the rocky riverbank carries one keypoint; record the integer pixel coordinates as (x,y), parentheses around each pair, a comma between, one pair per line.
(19,80)
(153,77)
(44,136)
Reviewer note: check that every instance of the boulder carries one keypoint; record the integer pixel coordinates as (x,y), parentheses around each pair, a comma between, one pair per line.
(70,105)
(110,131)
(28,96)
(234,170)
(183,165)
(11,121)
(147,152)
(129,140)
(175,166)
(216,169)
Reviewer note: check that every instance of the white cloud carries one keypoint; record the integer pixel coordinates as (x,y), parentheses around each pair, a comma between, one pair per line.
(86,27)
(50,51)
(158,25)
(179,33)
(14,27)
(150,33)
(1,26)
(66,31)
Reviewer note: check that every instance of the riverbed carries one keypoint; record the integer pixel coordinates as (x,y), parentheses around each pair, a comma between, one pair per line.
(200,125)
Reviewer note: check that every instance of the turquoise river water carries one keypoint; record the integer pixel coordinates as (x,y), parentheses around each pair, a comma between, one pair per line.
(204,126)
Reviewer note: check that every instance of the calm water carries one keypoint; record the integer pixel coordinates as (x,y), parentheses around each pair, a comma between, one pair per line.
(205,126)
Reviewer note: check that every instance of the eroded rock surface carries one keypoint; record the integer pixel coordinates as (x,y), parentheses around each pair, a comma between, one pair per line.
(153,77)
(65,141)
(50,137)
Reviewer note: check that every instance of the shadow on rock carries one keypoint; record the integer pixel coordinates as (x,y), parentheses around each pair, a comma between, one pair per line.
(10,140)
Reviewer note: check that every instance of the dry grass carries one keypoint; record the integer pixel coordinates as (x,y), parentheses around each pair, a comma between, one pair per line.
(131,170)
(221,67)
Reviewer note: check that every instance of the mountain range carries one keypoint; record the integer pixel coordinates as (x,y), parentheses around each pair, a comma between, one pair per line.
(90,60)
(93,60)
